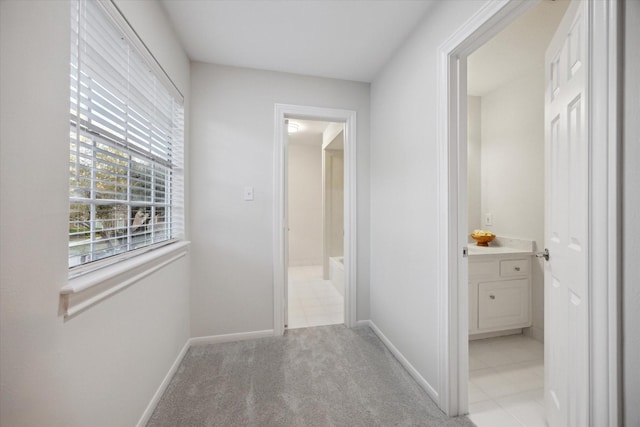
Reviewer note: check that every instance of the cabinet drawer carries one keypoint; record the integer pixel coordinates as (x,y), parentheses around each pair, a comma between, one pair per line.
(503,304)
(483,269)
(514,267)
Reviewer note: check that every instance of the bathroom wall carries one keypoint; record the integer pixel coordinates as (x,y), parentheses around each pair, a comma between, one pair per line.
(474,138)
(305,203)
(103,366)
(334,175)
(512,164)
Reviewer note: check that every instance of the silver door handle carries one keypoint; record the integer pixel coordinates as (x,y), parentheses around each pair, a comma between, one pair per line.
(544,254)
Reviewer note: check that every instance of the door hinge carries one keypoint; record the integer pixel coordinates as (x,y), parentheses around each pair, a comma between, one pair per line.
(465,251)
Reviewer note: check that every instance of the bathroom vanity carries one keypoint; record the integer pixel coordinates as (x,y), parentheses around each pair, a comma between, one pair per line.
(499,290)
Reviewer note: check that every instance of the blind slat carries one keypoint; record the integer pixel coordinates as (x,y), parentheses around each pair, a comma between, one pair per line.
(125,141)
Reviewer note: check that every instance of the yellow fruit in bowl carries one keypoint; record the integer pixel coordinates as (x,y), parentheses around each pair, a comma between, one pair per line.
(482,237)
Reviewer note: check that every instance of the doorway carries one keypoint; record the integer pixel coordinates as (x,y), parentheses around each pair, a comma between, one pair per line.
(599,402)
(347,119)
(505,186)
(315,196)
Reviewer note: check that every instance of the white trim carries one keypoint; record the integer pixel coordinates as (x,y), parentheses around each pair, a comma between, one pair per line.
(122,22)
(363,323)
(604,268)
(240,336)
(603,215)
(535,333)
(84,291)
(431,391)
(348,117)
(191,342)
(146,415)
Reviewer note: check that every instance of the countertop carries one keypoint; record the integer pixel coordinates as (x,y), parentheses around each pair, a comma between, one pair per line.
(496,250)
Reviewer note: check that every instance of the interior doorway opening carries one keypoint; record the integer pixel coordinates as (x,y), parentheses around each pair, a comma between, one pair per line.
(315,199)
(347,118)
(585,323)
(505,197)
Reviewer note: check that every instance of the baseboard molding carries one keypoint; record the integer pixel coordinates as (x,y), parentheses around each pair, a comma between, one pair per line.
(433,394)
(518,331)
(214,339)
(146,415)
(535,333)
(361,323)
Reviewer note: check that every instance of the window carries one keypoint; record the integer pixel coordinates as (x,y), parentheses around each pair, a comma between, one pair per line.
(126,141)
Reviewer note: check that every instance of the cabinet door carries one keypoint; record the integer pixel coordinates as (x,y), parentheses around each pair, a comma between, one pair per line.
(503,304)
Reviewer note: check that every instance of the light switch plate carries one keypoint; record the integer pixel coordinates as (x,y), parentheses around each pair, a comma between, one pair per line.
(248,193)
(488,219)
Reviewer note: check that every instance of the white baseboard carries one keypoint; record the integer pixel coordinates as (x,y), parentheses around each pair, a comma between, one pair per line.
(481,336)
(213,339)
(146,415)
(269,333)
(433,394)
(361,323)
(535,333)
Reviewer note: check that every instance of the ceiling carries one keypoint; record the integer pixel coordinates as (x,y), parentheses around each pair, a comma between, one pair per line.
(346,39)
(515,50)
(309,132)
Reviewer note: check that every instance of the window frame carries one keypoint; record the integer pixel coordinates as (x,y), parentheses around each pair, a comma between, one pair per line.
(87,142)
(94,281)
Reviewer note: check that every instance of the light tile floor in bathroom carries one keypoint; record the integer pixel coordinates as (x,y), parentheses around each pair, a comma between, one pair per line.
(506,382)
(313,301)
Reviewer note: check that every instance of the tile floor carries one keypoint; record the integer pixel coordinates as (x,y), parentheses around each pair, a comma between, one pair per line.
(506,382)
(313,301)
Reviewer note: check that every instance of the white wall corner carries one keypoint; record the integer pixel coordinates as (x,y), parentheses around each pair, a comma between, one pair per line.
(146,415)
(422,382)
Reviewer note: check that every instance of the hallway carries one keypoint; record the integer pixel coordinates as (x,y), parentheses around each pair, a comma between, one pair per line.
(323,376)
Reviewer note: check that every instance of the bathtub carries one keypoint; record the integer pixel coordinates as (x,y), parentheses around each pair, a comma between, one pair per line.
(336,273)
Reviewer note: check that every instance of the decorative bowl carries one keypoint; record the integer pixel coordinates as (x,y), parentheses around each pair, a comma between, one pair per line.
(483,240)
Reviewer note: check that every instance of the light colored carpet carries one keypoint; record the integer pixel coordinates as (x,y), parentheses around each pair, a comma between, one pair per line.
(322,376)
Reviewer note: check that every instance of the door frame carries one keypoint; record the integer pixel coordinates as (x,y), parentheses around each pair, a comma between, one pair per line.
(603,213)
(280,164)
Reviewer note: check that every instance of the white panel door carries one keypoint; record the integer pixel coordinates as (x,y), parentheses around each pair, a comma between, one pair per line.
(566,185)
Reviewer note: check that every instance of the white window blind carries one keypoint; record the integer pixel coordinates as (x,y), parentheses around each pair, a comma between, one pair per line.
(126,141)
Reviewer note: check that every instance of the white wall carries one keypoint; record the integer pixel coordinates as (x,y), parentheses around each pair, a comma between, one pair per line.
(305,203)
(102,367)
(513,170)
(474,171)
(404,182)
(631,215)
(232,147)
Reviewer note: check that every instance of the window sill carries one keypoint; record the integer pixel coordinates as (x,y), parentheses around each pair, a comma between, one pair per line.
(84,291)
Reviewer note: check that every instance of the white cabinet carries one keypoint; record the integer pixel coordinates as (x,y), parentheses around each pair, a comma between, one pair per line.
(499,292)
